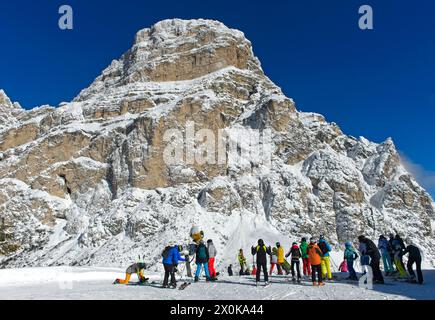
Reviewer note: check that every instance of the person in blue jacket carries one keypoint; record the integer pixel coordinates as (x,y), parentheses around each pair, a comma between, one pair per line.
(171,256)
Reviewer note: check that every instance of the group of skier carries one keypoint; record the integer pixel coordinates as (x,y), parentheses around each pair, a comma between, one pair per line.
(314,255)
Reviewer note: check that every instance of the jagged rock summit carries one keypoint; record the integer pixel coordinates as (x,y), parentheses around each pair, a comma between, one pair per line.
(86,182)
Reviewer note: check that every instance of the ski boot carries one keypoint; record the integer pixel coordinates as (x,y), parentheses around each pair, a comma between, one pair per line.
(196,279)
(294,279)
(266,283)
(299,280)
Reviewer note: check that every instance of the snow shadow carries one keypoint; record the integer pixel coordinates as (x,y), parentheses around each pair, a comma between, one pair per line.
(405,289)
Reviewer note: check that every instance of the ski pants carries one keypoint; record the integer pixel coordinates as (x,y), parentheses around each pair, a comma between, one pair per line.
(316,270)
(242,268)
(375,265)
(211,268)
(326,267)
(351,269)
(306,266)
(272,266)
(169,271)
(400,269)
(278,265)
(388,266)
(410,264)
(296,263)
(199,269)
(259,267)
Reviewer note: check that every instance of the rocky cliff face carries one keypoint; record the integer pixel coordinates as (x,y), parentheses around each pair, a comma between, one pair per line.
(87,182)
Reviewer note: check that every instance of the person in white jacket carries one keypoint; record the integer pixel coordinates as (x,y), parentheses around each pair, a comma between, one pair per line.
(212,256)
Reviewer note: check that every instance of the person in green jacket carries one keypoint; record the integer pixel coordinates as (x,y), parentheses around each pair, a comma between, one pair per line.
(305,258)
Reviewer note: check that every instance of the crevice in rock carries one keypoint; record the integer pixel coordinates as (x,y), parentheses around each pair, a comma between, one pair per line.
(65,181)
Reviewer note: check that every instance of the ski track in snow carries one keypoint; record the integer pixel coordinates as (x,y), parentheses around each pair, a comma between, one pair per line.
(87,283)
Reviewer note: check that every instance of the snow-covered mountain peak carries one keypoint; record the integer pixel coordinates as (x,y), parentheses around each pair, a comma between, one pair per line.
(177,50)
(5,102)
(87,182)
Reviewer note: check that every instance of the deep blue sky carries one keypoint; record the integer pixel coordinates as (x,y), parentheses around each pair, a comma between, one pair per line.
(377,83)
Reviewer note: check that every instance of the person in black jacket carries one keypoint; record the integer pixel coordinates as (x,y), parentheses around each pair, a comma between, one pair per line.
(414,257)
(261,251)
(375,258)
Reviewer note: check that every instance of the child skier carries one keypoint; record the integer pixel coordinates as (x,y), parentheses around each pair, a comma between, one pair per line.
(350,256)
(171,256)
(242,261)
(315,256)
(325,262)
(212,252)
(137,268)
(261,251)
(305,258)
(273,260)
(230,270)
(296,255)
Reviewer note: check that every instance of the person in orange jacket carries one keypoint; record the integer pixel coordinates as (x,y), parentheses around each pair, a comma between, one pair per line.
(315,256)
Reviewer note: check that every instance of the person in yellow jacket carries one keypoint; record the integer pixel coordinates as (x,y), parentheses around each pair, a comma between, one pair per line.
(242,261)
(281,259)
(325,247)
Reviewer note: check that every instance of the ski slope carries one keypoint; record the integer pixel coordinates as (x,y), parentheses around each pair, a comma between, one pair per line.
(88,283)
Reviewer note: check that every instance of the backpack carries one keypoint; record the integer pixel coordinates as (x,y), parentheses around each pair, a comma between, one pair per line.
(202,255)
(165,253)
(323,247)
